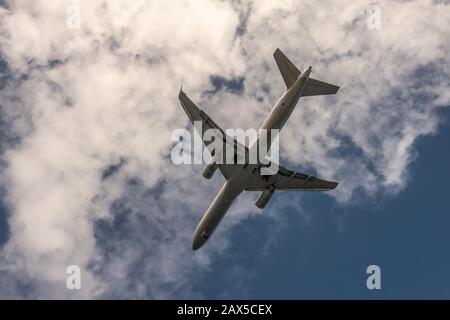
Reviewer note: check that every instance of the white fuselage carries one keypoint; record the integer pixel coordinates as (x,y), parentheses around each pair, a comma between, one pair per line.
(234,186)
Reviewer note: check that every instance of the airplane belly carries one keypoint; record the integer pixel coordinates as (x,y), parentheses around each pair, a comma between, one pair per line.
(277,118)
(280,113)
(219,207)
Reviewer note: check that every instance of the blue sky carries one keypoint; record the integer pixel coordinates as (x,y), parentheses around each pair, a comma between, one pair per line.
(88,105)
(406,235)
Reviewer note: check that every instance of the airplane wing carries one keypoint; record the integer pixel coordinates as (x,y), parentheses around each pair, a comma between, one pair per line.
(287,180)
(230,144)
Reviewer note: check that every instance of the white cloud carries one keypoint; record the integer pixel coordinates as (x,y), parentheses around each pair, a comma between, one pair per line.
(111,97)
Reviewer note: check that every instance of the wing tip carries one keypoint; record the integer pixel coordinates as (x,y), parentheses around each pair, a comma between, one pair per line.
(181,92)
(331,185)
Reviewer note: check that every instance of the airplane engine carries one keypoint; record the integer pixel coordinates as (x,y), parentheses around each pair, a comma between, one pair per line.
(209,170)
(264,198)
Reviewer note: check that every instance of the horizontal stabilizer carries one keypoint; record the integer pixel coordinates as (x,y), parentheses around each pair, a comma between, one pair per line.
(316,88)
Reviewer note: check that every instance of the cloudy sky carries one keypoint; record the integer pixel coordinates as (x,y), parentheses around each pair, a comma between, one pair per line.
(88,102)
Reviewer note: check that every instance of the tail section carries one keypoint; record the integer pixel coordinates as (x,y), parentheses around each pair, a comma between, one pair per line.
(290,74)
(317,88)
(288,70)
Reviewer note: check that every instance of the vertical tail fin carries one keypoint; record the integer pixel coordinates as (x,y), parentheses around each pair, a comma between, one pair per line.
(288,70)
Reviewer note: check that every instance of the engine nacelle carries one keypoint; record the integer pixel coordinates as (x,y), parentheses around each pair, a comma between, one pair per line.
(264,198)
(209,170)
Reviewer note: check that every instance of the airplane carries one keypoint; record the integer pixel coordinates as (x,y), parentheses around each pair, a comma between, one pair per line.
(247,176)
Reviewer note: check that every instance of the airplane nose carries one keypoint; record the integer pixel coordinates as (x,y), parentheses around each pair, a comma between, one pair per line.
(197,242)
(200,237)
